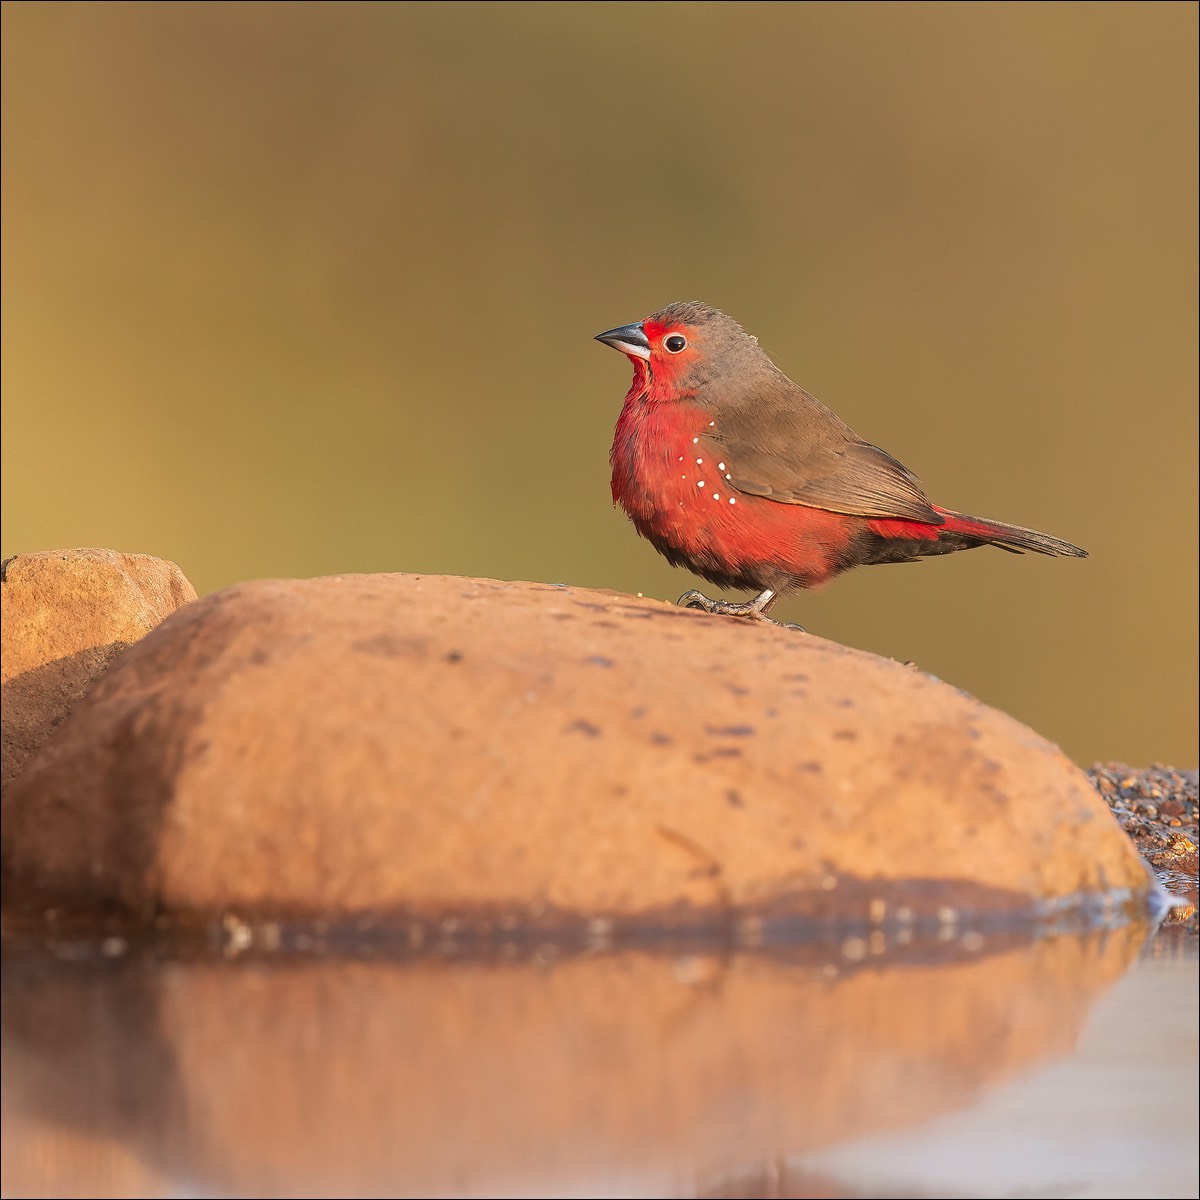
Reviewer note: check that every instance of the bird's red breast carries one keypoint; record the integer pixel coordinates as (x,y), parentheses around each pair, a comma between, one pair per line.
(669,476)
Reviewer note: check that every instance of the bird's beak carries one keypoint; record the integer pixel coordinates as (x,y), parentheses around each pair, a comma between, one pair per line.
(629,339)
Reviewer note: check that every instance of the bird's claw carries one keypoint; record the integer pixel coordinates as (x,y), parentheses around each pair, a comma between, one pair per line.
(752,609)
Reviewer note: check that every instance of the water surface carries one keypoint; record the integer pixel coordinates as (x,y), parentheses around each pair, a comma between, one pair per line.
(976,1065)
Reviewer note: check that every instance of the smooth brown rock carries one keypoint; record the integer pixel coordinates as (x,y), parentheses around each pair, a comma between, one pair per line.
(516,754)
(67,615)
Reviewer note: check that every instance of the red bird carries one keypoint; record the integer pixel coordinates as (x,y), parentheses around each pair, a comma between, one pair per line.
(732,470)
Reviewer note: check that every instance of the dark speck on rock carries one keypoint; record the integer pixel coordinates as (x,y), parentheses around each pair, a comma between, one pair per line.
(584,727)
(729,730)
(598,660)
(718,752)
(389,645)
(734,798)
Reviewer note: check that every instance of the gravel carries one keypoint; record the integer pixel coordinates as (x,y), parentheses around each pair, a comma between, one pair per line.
(1157,806)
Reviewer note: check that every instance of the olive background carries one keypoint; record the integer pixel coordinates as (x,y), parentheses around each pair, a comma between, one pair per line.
(297,289)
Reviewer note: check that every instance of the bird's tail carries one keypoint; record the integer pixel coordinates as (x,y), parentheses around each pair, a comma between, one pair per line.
(1007,537)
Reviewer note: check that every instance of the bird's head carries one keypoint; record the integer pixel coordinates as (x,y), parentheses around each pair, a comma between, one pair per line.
(680,349)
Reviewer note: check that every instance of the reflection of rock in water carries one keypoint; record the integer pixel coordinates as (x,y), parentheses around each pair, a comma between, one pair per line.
(89,1079)
(457,1077)
(47,1159)
(777,1180)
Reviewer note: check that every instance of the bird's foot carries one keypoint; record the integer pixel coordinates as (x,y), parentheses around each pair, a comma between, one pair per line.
(755,609)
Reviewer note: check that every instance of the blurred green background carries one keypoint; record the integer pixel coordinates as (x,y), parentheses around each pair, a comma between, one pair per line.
(293,289)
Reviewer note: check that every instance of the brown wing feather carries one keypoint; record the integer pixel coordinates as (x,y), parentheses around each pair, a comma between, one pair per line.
(785,445)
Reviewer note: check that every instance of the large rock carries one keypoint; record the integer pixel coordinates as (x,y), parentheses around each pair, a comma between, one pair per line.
(67,614)
(497,754)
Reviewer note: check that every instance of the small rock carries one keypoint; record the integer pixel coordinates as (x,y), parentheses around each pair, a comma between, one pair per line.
(66,616)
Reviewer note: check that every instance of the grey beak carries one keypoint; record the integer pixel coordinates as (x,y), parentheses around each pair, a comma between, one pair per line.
(629,339)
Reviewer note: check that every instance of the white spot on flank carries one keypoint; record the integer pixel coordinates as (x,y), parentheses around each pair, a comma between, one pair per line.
(700,484)
(732,500)
(720,466)
(716,495)
(711,424)
(728,476)
(699,462)
(681,458)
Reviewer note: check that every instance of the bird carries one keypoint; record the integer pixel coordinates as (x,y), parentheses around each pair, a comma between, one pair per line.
(733,471)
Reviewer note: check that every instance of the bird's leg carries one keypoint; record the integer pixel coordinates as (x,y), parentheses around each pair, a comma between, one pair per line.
(755,609)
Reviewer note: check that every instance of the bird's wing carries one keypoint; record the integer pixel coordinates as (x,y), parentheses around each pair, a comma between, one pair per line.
(795,451)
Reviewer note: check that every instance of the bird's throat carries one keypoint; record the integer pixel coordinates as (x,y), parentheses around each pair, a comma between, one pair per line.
(641,379)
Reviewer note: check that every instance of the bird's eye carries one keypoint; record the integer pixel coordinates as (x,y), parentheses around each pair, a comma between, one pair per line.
(675,343)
